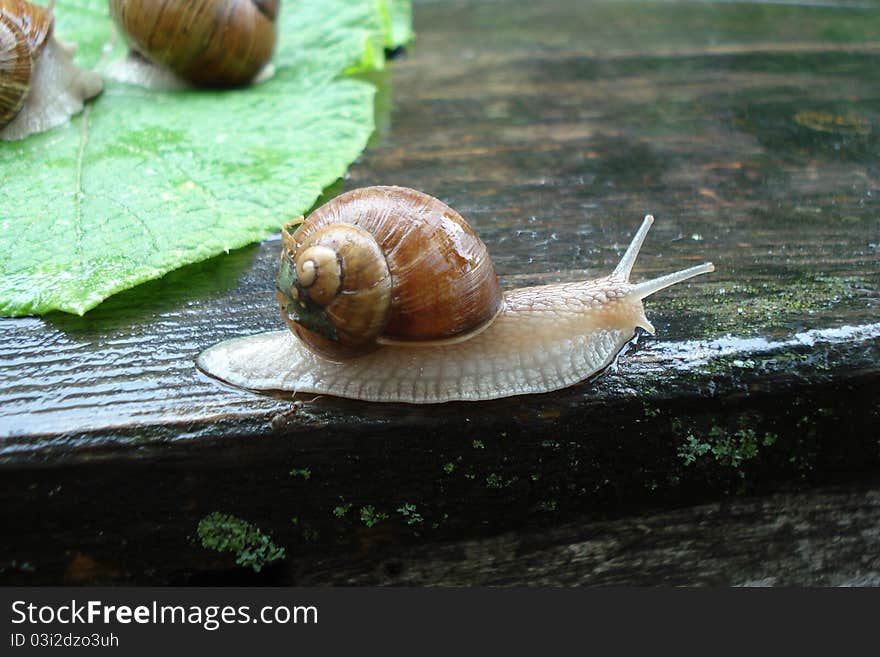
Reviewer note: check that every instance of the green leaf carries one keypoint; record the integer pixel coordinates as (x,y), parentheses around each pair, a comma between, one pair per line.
(145,181)
(400,30)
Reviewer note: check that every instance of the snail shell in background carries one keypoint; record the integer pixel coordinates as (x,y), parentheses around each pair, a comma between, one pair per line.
(40,87)
(209,43)
(24,28)
(539,339)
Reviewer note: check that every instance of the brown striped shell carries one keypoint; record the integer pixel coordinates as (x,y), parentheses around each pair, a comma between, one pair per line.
(384,265)
(34,21)
(210,43)
(24,28)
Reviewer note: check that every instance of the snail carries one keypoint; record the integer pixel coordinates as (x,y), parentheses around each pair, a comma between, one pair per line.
(410,255)
(40,87)
(207,43)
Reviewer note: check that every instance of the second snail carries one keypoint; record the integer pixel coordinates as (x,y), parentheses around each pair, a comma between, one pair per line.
(390,296)
(40,86)
(206,43)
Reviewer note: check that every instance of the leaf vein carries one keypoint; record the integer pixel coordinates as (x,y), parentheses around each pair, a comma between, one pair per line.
(78,193)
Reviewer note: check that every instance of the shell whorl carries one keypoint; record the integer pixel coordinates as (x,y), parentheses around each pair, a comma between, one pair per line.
(335,289)
(34,21)
(415,254)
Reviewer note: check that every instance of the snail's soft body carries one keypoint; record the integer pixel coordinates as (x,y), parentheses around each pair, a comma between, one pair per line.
(542,339)
(40,86)
(206,43)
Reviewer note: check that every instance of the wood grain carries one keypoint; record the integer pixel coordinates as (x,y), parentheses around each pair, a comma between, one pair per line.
(825,537)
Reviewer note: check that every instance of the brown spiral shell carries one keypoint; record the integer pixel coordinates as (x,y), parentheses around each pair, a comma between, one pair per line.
(211,43)
(34,21)
(24,28)
(385,265)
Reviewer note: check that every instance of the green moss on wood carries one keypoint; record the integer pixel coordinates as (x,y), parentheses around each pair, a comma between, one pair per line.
(370,516)
(225,533)
(410,515)
(753,309)
(727,448)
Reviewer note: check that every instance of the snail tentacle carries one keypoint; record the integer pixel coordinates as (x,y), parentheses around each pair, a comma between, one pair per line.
(624,267)
(647,288)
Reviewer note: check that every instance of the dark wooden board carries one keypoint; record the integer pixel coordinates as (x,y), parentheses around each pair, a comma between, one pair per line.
(752,133)
(822,537)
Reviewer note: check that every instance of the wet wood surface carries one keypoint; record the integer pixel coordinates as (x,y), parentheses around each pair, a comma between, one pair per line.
(749,131)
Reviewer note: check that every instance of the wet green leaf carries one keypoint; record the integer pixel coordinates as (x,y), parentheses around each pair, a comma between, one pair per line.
(144,181)
(400,23)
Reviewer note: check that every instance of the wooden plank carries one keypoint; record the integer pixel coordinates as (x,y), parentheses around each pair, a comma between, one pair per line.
(824,537)
(751,132)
